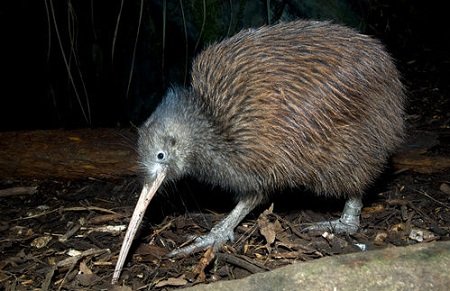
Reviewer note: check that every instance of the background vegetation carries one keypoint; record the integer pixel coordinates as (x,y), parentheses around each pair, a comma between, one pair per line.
(71,64)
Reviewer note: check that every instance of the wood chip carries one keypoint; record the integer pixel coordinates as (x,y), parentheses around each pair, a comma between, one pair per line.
(16,191)
(445,188)
(180,281)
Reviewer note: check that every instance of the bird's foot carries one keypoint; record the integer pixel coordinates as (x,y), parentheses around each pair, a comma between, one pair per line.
(216,238)
(348,223)
(221,233)
(335,226)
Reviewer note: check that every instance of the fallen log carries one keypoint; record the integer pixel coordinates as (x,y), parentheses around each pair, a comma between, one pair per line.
(71,154)
(109,153)
(424,152)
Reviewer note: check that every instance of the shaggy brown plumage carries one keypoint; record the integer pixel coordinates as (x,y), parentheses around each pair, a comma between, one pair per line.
(300,103)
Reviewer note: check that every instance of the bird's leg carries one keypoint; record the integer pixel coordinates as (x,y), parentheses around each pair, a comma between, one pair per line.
(347,223)
(221,232)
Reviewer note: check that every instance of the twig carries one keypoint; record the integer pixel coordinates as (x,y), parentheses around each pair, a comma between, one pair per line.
(245,264)
(203,26)
(113,46)
(163,41)
(104,218)
(48,279)
(205,260)
(400,202)
(70,233)
(434,199)
(186,43)
(293,229)
(246,235)
(77,208)
(73,260)
(67,66)
(231,17)
(133,59)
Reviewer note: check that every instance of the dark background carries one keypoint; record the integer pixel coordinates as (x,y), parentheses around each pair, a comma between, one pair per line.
(102,90)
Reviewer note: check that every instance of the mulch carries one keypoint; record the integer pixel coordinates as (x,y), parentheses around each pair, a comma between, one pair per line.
(66,235)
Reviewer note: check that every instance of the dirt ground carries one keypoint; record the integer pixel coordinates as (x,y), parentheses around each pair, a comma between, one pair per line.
(66,235)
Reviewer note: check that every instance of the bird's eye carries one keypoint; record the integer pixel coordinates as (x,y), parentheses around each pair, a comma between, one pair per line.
(160,156)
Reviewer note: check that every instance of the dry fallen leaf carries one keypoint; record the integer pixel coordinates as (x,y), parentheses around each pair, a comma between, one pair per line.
(84,269)
(85,276)
(420,235)
(41,241)
(398,227)
(380,238)
(151,250)
(267,228)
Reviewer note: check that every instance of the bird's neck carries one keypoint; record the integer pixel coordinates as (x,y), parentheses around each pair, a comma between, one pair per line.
(210,150)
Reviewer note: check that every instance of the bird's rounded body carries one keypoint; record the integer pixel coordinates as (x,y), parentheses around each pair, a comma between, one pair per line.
(300,103)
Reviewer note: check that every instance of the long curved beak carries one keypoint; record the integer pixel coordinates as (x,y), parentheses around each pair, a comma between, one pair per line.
(148,191)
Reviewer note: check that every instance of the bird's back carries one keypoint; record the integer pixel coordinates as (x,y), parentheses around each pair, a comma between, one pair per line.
(304,102)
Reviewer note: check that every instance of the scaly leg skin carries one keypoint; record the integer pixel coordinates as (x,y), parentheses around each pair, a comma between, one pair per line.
(348,223)
(221,232)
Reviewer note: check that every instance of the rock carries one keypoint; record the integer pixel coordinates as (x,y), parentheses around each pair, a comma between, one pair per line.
(418,267)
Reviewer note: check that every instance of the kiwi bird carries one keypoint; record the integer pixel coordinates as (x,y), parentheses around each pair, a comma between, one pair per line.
(303,103)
